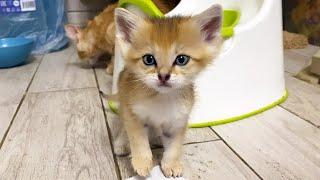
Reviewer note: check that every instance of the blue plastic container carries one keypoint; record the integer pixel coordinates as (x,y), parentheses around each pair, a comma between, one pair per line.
(44,25)
(14,51)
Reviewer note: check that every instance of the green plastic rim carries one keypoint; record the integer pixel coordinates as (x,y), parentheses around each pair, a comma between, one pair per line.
(230,17)
(240,117)
(114,109)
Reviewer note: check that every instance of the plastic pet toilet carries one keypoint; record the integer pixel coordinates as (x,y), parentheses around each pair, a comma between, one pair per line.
(248,77)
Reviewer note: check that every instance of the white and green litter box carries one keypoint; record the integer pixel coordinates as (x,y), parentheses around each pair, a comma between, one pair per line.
(248,77)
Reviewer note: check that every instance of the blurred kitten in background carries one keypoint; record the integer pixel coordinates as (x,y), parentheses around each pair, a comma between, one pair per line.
(98,37)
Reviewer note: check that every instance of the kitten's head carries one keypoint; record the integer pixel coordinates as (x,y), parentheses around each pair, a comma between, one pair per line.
(85,41)
(168,53)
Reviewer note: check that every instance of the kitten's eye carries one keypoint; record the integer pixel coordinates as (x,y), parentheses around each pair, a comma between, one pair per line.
(149,60)
(182,60)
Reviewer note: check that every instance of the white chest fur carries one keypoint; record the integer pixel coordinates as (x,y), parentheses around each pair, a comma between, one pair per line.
(162,110)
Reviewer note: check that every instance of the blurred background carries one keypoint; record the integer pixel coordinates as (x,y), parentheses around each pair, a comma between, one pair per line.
(303,17)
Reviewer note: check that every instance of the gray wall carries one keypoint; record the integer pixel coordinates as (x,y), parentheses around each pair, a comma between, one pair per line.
(80,11)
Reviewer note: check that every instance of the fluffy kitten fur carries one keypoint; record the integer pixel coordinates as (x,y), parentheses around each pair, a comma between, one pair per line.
(98,37)
(160,96)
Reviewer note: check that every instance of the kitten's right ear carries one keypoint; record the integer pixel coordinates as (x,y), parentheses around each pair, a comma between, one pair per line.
(126,24)
(72,31)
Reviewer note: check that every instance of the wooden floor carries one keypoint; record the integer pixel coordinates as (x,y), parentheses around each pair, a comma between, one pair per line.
(54,125)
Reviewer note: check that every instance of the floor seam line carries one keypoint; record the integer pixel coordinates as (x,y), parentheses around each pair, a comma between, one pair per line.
(242,159)
(34,75)
(201,142)
(62,90)
(295,114)
(12,120)
(108,128)
(20,104)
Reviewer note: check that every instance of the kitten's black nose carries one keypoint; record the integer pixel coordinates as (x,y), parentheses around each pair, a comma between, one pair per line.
(163,77)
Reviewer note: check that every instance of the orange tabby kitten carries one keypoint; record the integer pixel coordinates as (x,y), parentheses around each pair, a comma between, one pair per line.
(162,59)
(98,36)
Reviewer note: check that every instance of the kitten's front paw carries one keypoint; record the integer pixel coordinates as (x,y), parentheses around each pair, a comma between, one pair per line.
(142,165)
(172,168)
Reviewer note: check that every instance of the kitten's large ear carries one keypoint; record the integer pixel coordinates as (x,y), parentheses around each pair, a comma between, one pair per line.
(126,24)
(73,32)
(210,22)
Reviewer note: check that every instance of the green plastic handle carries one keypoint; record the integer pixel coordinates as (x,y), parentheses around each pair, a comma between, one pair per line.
(147,6)
(230,17)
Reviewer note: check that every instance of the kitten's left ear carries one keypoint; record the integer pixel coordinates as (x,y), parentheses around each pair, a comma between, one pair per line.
(126,24)
(210,22)
(73,32)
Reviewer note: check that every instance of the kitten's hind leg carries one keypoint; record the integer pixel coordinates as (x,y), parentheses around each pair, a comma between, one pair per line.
(121,142)
(110,66)
(171,164)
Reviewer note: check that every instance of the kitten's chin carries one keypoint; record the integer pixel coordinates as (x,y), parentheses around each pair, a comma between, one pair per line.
(164,89)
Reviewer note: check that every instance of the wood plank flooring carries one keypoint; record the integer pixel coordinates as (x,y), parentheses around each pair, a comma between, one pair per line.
(62,71)
(304,100)
(58,135)
(210,160)
(13,84)
(277,144)
(54,124)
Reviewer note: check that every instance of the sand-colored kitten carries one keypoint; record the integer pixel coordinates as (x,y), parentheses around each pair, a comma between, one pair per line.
(162,59)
